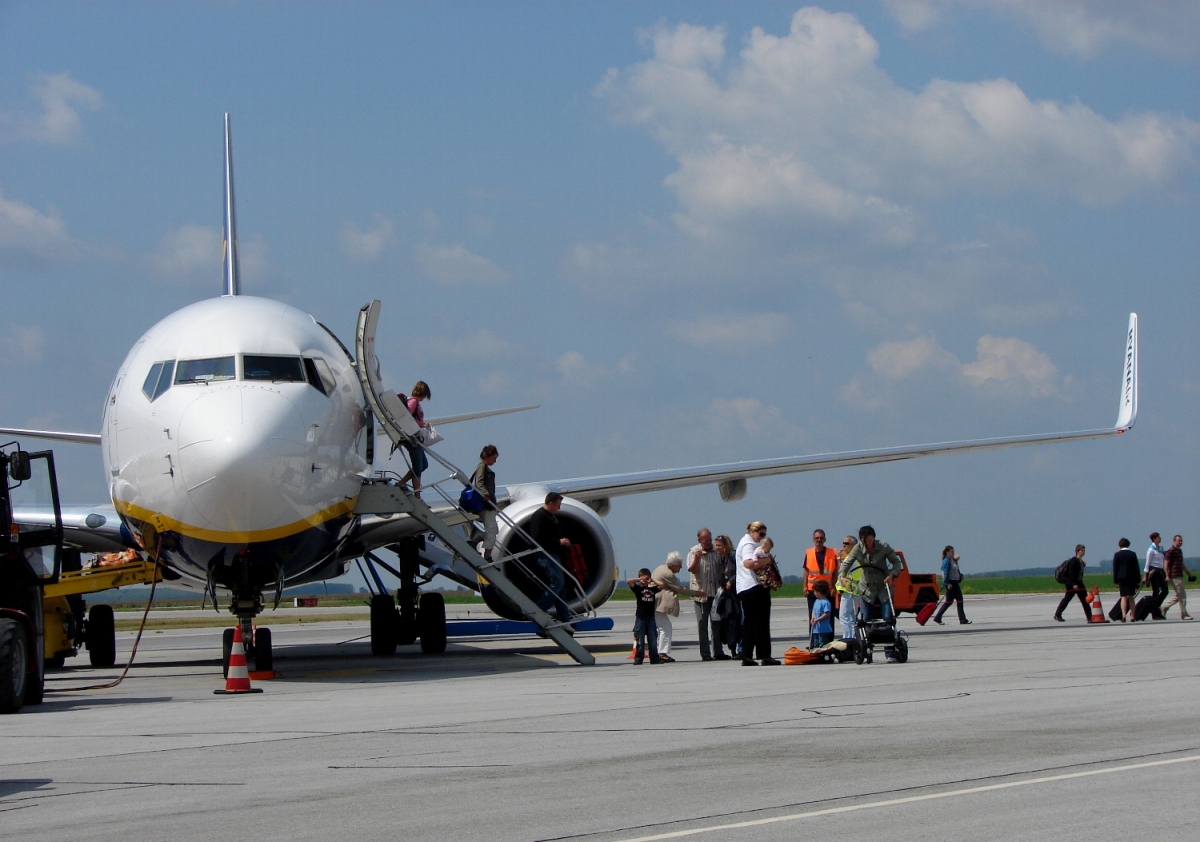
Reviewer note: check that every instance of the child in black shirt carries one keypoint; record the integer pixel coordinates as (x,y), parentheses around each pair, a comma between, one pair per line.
(644,626)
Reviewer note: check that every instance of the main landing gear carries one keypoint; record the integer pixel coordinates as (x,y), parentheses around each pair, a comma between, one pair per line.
(411,614)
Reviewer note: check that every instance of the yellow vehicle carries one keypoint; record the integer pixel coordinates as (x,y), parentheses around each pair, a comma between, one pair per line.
(68,622)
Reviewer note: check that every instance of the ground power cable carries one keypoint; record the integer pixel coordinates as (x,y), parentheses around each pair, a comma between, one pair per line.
(132,654)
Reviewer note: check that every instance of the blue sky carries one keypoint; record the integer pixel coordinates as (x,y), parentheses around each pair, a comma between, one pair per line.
(694,232)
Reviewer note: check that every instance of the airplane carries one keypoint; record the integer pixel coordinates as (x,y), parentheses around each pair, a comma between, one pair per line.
(238,442)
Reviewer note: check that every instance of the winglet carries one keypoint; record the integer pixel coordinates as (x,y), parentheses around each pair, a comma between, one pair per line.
(1127,413)
(229,249)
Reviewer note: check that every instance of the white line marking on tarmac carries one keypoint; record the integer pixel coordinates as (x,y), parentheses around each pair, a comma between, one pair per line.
(891,802)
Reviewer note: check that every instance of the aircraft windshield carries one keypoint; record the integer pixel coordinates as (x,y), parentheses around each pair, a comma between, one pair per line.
(159,379)
(286,369)
(205,371)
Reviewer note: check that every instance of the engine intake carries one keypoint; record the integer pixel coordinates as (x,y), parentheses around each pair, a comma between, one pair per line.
(583,527)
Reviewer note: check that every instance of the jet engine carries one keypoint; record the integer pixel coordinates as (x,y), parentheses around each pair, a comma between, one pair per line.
(583,527)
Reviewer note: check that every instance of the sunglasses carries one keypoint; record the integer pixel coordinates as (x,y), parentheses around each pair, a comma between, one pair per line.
(847,543)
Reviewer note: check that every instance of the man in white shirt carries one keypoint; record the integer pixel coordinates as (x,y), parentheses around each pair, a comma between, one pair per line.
(1155,575)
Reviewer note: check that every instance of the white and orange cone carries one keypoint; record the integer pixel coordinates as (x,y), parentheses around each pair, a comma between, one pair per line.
(237,680)
(1097,609)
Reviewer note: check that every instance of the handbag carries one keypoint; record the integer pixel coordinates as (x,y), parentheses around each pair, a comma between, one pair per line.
(471,500)
(429,436)
(769,576)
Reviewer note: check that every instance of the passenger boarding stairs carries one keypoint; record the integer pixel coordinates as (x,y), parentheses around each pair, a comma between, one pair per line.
(383,496)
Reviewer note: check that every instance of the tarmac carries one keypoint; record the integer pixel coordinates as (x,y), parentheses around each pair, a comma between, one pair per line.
(1012,728)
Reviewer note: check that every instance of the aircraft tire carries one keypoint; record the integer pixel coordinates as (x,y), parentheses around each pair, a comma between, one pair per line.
(13,669)
(264,654)
(101,636)
(384,622)
(431,620)
(226,651)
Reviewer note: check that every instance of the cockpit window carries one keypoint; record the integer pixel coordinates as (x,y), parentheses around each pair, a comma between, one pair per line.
(319,375)
(205,371)
(276,369)
(159,379)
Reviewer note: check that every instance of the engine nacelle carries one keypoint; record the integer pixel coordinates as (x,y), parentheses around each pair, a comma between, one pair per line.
(582,526)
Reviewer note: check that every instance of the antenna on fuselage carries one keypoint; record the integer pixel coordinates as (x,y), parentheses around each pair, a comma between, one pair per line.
(229,248)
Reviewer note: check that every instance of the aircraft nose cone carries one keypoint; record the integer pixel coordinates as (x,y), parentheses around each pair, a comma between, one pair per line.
(240,451)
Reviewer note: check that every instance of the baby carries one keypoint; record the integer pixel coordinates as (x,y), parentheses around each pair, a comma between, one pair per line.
(764,550)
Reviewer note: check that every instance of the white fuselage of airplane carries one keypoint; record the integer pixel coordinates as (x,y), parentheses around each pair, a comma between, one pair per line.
(235,429)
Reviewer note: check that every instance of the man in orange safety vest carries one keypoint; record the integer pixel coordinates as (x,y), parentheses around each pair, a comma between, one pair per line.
(820,565)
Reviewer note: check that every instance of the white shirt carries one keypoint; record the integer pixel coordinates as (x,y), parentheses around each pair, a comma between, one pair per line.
(745,576)
(1154,558)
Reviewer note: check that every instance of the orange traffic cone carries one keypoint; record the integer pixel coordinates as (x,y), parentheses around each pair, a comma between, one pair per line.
(1097,610)
(237,680)
(633,651)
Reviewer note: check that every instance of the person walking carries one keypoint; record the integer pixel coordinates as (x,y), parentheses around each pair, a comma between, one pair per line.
(417,459)
(820,565)
(727,612)
(484,482)
(879,564)
(666,602)
(543,527)
(754,598)
(1176,570)
(951,585)
(1156,575)
(1073,581)
(1127,577)
(704,564)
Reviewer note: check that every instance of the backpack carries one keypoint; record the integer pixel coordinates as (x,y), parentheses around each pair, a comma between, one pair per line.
(1060,572)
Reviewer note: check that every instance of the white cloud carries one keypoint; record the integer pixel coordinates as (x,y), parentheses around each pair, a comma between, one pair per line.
(1003,366)
(23,344)
(1079,27)
(1013,362)
(24,229)
(735,419)
(366,245)
(806,132)
(456,266)
(733,332)
(897,360)
(191,255)
(577,371)
(61,99)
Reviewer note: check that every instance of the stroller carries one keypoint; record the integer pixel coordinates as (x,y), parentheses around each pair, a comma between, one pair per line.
(871,633)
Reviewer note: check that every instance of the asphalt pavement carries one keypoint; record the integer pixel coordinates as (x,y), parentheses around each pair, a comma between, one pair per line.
(1012,728)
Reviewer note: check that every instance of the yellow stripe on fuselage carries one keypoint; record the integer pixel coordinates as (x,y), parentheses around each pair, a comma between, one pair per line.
(162,523)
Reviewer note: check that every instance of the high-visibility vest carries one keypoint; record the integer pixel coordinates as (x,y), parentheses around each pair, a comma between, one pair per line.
(815,572)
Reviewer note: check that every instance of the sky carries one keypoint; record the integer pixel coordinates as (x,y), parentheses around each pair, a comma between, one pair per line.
(693,232)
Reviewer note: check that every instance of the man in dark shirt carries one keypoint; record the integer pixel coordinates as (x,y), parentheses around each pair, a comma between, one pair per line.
(1126,576)
(645,627)
(543,527)
(1176,570)
(1075,586)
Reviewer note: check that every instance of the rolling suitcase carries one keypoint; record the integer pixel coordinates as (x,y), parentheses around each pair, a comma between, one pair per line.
(1144,608)
(925,613)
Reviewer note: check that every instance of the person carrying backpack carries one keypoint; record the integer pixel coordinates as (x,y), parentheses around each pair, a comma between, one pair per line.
(1070,574)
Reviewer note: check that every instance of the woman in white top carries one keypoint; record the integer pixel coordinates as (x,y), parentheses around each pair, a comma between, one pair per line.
(754,598)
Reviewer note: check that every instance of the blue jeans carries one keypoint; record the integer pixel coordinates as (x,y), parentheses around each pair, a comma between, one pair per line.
(645,635)
(418,460)
(551,599)
(848,615)
(819,639)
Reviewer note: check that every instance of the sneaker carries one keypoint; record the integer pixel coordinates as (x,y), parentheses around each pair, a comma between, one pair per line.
(1058,619)
(746,662)
(891,659)
(939,622)
(721,656)
(964,622)
(770,662)
(1186,617)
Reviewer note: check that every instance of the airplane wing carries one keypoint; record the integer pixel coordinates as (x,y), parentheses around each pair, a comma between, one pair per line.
(94,529)
(94,438)
(51,435)
(732,476)
(471,416)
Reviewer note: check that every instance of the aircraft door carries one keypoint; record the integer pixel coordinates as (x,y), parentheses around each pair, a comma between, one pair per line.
(390,411)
